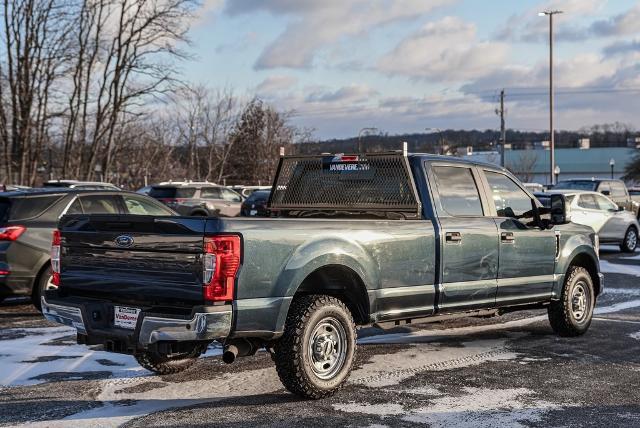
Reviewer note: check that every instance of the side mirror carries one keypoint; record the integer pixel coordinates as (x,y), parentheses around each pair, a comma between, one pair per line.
(620,209)
(559,209)
(606,192)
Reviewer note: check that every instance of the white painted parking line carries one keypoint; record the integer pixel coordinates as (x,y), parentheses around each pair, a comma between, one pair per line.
(615,320)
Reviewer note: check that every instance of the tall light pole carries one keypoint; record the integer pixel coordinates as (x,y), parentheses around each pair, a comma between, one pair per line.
(552,140)
(362,131)
(612,164)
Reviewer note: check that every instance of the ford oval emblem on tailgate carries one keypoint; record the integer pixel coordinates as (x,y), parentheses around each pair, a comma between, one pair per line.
(124,241)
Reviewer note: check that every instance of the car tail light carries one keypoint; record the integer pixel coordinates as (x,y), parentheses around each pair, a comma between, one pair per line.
(221,262)
(11,233)
(55,257)
(4,272)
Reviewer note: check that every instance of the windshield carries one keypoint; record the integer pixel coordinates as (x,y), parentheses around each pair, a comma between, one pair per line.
(577,185)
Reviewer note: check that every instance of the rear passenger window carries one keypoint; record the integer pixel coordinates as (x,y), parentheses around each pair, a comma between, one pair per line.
(210,193)
(458,191)
(588,201)
(99,204)
(509,198)
(30,207)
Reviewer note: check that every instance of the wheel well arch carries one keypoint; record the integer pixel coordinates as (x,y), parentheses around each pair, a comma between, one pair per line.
(342,282)
(41,271)
(586,261)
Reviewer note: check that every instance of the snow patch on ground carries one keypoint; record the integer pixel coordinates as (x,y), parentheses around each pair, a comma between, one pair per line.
(44,352)
(391,369)
(387,409)
(483,407)
(635,336)
(38,355)
(608,267)
(475,407)
(617,307)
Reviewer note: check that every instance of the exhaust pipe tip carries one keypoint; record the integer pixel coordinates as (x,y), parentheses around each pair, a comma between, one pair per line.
(230,354)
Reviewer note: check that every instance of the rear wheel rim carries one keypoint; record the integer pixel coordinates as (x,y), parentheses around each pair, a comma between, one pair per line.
(580,302)
(631,240)
(49,285)
(327,348)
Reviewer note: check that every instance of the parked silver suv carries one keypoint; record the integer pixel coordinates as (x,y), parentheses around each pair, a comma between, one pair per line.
(198,198)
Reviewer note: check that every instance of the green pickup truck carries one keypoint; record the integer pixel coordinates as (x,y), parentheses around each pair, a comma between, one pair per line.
(353,240)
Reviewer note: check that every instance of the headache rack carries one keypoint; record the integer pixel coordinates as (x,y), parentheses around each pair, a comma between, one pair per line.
(379,184)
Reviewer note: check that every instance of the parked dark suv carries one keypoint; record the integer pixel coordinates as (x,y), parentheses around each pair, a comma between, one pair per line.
(27,221)
(199,199)
(616,190)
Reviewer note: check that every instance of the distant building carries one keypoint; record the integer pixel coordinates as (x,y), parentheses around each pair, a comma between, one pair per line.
(533,165)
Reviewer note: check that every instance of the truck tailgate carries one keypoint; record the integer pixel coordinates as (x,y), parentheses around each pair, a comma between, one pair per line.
(133,259)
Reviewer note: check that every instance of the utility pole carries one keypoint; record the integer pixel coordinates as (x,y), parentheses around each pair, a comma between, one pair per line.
(503,131)
(552,140)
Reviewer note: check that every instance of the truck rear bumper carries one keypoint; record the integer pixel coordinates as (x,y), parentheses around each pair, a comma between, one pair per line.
(203,326)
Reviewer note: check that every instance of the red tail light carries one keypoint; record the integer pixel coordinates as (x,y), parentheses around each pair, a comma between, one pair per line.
(11,233)
(55,257)
(4,272)
(221,262)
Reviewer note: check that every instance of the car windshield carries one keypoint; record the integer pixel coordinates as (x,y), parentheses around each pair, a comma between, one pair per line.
(577,185)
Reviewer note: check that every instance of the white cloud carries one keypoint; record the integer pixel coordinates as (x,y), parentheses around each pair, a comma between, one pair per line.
(274,85)
(619,25)
(446,50)
(529,27)
(318,24)
(354,93)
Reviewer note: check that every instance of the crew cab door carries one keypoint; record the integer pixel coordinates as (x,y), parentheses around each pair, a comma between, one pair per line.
(468,239)
(527,252)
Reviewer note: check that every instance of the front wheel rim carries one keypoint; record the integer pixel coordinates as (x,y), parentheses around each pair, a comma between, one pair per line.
(631,239)
(327,348)
(580,302)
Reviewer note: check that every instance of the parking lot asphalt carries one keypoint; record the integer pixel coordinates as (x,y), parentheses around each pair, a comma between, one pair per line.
(502,371)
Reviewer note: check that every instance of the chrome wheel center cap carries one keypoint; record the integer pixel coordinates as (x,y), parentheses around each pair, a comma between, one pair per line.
(323,347)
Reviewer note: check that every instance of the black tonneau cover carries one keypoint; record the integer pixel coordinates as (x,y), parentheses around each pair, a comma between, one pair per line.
(375,182)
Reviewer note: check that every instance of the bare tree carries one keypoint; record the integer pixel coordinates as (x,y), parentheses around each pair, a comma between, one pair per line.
(524,167)
(34,46)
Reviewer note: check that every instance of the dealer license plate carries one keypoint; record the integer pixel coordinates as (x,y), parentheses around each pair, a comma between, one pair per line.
(125,317)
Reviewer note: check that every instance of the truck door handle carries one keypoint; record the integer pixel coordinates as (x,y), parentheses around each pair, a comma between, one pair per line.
(507,237)
(453,237)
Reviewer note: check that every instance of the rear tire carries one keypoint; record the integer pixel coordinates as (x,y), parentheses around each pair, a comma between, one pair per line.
(317,349)
(43,283)
(630,241)
(571,315)
(164,365)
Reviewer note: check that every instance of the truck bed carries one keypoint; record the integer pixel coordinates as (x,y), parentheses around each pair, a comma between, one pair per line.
(162,269)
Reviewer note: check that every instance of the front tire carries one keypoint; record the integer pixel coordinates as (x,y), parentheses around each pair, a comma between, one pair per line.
(630,242)
(165,365)
(316,352)
(571,315)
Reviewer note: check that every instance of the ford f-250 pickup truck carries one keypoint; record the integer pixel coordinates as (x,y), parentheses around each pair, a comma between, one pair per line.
(355,240)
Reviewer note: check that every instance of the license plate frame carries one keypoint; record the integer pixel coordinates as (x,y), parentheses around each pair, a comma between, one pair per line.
(125,317)
(253,212)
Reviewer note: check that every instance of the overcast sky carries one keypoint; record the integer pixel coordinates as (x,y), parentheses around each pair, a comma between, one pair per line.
(404,65)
